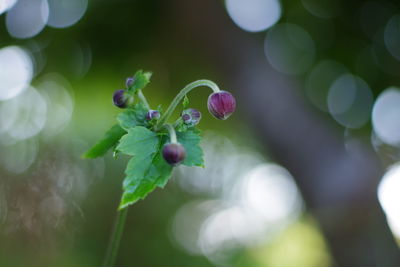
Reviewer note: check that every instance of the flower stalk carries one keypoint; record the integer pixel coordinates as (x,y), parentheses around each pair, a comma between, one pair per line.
(143,99)
(172,133)
(178,98)
(115,240)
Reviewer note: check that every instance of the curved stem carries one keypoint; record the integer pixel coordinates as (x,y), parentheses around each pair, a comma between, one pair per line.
(113,245)
(181,95)
(143,99)
(172,133)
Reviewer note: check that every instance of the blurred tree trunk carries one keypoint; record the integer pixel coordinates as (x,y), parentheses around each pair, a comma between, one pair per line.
(338,184)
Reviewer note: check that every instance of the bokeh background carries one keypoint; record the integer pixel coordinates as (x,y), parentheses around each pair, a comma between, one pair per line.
(305,173)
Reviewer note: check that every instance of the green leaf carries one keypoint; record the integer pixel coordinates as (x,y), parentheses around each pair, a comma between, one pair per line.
(109,140)
(190,139)
(142,179)
(160,170)
(147,169)
(133,117)
(141,80)
(139,142)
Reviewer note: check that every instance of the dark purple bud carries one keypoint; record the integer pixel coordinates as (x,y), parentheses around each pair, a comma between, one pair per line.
(152,114)
(174,153)
(129,81)
(185,117)
(191,116)
(221,104)
(120,99)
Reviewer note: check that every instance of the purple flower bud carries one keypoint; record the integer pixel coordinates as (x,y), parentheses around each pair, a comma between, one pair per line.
(129,81)
(120,99)
(185,117)
(152,114)
(191,116)
(174,153)
(221,104)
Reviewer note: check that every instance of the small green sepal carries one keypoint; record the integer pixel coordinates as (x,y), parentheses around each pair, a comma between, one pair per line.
(140,81)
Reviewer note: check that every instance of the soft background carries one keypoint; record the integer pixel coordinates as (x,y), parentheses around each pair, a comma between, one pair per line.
(303,174)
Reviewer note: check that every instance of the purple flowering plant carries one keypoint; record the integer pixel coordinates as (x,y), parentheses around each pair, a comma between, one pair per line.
(154,144)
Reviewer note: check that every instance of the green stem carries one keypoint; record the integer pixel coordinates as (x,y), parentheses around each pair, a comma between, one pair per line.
(172,133)
(115,238)
(143,99)
(181,95)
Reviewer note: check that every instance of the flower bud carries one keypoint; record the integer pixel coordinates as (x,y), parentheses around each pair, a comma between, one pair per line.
(191,116)
(152,114)
(129,81)
(221,104)
(120,99)
(174,153)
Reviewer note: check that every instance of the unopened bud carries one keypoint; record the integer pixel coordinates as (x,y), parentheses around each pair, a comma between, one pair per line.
(221,104)
(191,116)
(120,99)
(173,153)
(129,81)
(152,114)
